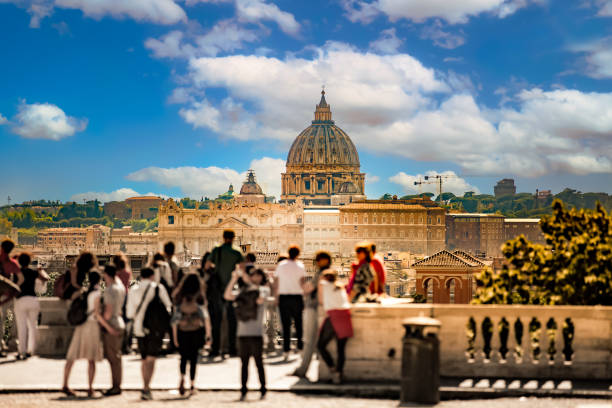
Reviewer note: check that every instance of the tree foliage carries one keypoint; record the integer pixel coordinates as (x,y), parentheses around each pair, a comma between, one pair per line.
(574,267)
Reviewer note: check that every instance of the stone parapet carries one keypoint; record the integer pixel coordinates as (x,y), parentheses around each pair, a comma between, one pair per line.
(54,332)
(552,342)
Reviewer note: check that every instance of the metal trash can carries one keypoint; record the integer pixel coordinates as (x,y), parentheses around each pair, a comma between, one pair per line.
(420,382)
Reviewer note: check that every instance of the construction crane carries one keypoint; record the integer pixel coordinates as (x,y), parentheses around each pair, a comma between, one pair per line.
(437,179)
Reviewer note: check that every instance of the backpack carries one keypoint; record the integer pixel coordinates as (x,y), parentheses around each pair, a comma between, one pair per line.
(156,319)
(77,313)
(245,305)
(60,285)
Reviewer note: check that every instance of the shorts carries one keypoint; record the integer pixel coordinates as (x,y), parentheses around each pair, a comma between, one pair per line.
(149,346)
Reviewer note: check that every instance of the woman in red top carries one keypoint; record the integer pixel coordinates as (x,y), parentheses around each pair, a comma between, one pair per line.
(362,274)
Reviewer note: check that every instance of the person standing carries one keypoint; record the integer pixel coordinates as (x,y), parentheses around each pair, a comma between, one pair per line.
(289,278)
(378,264)
(250,324)
(311,313)
(27,306)
(163,272)
(362,275)
(224,259)
(113,298)
(76,276)
(8,269)
(124,273)
(190,326)
(149,344)
(337,323)
(169,249)
(86,342)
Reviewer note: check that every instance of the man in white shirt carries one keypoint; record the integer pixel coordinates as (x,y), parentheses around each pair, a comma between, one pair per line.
(148,344)
(289,279)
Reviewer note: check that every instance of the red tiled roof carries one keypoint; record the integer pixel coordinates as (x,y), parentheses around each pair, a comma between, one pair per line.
(468,257)
(446,258)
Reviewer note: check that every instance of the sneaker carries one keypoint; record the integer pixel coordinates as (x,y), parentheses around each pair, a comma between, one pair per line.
(263,392)
(243,395)
(146,395)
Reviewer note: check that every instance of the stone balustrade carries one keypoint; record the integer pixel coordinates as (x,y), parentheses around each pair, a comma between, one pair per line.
(505,341)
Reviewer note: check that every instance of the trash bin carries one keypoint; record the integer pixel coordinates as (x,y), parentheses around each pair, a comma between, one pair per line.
(420,382)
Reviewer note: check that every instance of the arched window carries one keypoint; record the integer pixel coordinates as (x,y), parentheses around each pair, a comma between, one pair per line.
(451,291)
(429,290)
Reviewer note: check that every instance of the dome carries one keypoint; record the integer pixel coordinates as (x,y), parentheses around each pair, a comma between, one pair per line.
(323,143)
(348,188)
(250,186)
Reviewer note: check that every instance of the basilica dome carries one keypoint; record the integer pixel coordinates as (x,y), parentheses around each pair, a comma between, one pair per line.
(323,143)
(322,163)
(250,186)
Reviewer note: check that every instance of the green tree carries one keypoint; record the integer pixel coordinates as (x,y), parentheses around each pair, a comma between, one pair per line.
(573,268)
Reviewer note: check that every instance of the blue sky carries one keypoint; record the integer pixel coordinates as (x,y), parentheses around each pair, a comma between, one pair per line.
(111,98)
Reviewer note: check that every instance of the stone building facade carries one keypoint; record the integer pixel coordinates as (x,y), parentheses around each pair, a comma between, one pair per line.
(321,230)
(143,207)
(416,226)
(322,164)
(504,187)
(71,240)
(129,242)
(265,227)
(447,277)
(484,234)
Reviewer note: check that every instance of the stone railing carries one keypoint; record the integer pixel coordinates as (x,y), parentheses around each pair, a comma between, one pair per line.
(506,341)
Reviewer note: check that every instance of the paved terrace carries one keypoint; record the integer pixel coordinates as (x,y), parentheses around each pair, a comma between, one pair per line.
(45,375)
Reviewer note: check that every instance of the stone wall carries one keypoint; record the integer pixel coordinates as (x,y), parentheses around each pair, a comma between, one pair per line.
(374,353)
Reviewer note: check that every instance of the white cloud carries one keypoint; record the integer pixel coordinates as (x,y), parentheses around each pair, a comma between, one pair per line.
(155,11)
(418,10)
(442,38)
(225,36)
(211,181)
(597,58)
(45,121)
(451,182)
(372,179)
(387,43)
(3,120)
(117,195)
(376,89)
(255,10)
(604,8)
(393,104)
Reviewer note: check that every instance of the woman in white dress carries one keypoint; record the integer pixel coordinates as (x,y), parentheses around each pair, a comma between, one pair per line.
(86,342)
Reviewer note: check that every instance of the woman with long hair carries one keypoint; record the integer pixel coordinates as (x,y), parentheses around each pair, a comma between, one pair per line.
(190,326)
(337,323)
(86,341)
(77,275)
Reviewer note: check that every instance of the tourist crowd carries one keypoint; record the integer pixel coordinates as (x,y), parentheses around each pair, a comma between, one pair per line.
(219,307)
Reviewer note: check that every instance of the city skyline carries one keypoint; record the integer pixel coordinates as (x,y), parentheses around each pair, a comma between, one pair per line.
(181,98)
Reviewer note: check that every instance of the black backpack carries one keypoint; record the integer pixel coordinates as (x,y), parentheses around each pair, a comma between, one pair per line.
(77,313)
(156,319)
(245,305)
